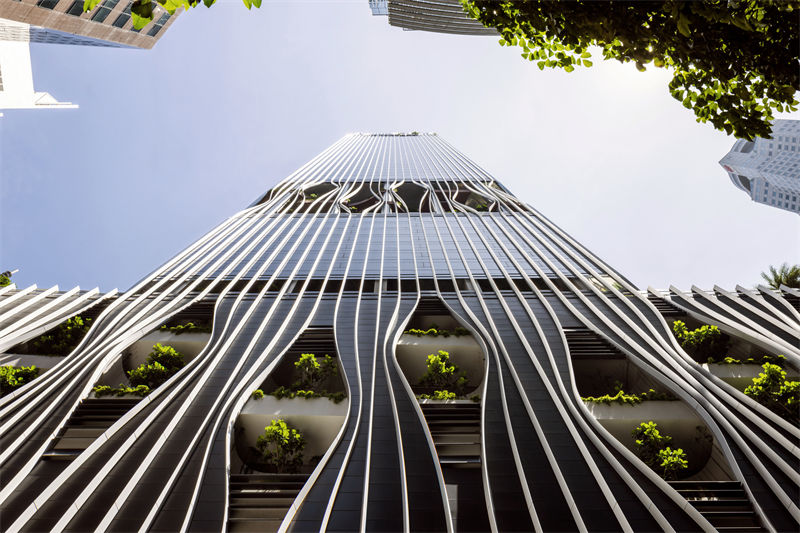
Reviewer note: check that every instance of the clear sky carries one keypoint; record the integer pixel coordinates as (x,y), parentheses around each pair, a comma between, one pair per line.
(169,142)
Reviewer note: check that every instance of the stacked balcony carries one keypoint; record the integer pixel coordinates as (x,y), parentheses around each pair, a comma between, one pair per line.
(259,502)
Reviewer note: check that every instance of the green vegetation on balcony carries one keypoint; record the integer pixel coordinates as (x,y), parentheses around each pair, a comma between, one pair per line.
(444,377)
(702,343)
(189,327)
(778,360)
(313,378)
(772,390)
(652,448)
(14,377)
(435,331)
(59,341)
(629,399)
(281,447)
(162,363)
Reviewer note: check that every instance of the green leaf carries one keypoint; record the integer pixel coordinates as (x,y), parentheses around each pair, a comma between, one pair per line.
(587,63)
(248,3)
(257,3)
(88,5)
(141,13)
(683,26)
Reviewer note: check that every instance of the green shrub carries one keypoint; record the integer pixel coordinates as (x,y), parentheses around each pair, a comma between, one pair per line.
(778,360)
(281,446)
(312,376)
(5,280)
(435,331)
(772,390)
(475,398)
(630,399)
(189,327)
(14,377)
(701,343)
(438,395)
(443,375)
(257,394)
(652,448)
(122,390)
(60,340)
(314,373)
(162,363)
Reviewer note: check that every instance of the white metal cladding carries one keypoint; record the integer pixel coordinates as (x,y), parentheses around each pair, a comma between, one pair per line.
(354,241)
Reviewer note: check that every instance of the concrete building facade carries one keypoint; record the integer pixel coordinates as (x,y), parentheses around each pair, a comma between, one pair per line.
(768,170)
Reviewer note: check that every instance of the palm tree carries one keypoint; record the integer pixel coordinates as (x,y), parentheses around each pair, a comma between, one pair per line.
(783,275)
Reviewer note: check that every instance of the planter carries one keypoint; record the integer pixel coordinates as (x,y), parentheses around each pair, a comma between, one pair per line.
(318,419)
(447,402)
(189,344)
(412,352)
(740,376)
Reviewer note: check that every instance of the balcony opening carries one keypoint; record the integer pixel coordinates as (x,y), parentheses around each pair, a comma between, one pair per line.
(449,402)
(306,395)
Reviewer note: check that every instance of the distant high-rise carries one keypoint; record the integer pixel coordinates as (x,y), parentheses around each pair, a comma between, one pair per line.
(64,22)
(440,16)
(768,170)
(387,261)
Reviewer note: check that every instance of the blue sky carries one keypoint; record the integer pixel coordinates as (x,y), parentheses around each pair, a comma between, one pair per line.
(169,142)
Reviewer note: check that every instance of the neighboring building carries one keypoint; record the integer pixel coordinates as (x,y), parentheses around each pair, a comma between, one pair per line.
(64,22)
(378,252)
(16,80)
(440,16)
(768,170)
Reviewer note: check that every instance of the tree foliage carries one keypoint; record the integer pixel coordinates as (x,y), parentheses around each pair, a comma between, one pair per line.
(282,446)
(62,339)
(14,377)
(704,343)
(162,363)
(442,374)
(652,448)
(313,373)
(734,62)
(783,275)
(142,10)
(772,390)
(5,279)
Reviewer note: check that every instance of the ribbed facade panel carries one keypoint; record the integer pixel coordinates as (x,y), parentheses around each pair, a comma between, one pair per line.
(378,234)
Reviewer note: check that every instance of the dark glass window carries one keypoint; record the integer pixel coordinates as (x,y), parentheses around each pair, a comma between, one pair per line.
(47,4)
(76,9)
(158,25)
(104,9)
(121,20)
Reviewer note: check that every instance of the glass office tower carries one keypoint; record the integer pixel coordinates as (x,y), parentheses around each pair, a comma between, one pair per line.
(456,333)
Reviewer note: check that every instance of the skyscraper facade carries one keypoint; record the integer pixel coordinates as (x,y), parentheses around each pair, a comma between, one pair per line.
(389,340)
(768,170)
(64,22)
(440,16)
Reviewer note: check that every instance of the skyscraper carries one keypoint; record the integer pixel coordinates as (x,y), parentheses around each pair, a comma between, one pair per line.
(768,170)
(64,22)
(428,340)
(440,16)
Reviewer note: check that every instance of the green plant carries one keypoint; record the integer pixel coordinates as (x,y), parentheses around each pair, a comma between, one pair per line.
(783,275)
(442,374)
(652,448)
(475,398)
(772,390)
(257,394)
(122,390)
(5,279)
(314,373)
(282,446)
(189,327)
(733,63)
(703,342)
(62,339)
(439,395)
(776,360)
(629,399)
(162,363)
(435,331)
(12,377)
